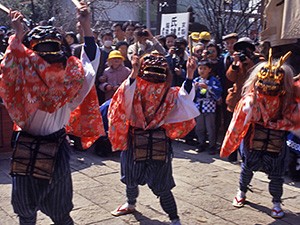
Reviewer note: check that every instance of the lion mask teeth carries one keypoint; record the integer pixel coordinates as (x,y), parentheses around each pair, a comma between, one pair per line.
(154,68)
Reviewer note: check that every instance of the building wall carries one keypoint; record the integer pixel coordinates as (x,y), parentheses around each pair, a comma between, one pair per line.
(102,12)
(122,12)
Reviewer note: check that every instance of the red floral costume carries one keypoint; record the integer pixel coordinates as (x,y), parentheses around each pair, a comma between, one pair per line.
(267,109)
(29,83)
(137,112)
(149,110)
(264,109)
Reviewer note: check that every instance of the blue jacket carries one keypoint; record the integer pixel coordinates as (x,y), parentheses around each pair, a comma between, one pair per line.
(206,100)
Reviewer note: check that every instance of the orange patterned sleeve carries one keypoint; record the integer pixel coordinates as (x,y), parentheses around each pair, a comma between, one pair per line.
(118,125)
(180,129)
(236,131)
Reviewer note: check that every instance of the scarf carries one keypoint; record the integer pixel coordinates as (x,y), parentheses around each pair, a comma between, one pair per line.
(151,105)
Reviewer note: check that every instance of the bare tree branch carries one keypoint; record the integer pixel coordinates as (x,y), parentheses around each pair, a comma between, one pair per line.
(231,16)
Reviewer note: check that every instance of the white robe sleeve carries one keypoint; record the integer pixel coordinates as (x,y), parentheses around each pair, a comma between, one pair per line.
(129,93)
(185,108)
(90,69)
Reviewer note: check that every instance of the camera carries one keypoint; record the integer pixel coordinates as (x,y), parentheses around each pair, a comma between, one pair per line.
(177,63)
(242,56)
(179,51)
(142,33)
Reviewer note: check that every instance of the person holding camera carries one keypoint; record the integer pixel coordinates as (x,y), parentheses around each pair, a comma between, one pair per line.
(228,41)
(244,58)
(145,42)
(177,58)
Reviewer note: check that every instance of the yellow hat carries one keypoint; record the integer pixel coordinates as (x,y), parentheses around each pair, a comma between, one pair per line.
(115,54)
(195,36)
(204,36)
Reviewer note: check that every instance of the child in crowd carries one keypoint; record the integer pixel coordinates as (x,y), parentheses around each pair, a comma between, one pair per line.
(208,91)
(170,40)
(72,40)
(114,75)
(122,46)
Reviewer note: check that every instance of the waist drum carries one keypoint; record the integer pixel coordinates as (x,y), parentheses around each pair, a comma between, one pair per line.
(36,155)
(268,140)
(150,144)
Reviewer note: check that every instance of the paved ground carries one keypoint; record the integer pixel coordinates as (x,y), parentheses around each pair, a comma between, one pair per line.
(204,191)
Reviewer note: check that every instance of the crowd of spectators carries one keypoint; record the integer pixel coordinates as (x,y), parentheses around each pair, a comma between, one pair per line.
(228,64)
(207,83)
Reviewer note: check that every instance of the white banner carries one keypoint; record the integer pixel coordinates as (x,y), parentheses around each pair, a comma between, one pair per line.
(176,23)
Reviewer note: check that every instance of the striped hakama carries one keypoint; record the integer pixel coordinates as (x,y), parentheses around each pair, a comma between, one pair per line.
(267,152)
(156,174)
(54,198)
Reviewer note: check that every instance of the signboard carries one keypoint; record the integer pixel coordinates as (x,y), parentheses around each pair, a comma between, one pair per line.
(176,23)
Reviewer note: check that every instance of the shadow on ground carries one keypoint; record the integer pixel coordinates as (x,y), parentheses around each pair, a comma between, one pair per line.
(144,220)
(290,218)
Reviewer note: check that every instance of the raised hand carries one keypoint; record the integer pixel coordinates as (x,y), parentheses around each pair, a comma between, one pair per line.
(84,17)
(135,62)
(191,66)
(16,19)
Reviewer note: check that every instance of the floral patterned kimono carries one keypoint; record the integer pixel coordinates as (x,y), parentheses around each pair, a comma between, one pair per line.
(29,84)
(262,112)
(147,106)
(45,100)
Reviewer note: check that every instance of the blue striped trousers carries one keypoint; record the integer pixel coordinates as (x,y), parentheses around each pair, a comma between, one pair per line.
(156,174)
(272,163)
(30,194)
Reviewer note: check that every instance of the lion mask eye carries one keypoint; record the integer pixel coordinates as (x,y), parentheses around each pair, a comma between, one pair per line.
(279,75)
(263,73)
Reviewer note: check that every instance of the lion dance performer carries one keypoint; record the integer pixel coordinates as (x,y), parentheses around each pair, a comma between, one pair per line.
(41,85)
(266,111)
(144,115)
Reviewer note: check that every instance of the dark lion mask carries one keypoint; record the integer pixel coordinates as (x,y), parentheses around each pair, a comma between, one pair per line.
(48,42)
(154,68)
